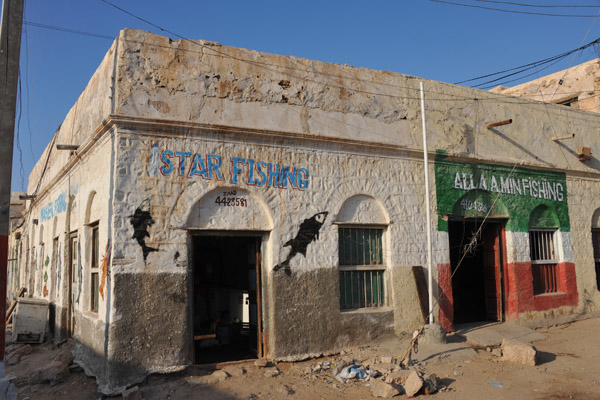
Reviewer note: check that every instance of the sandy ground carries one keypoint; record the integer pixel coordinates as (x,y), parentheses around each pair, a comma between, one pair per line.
(568,368)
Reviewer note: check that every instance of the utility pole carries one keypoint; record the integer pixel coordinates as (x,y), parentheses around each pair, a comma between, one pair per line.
(10,49)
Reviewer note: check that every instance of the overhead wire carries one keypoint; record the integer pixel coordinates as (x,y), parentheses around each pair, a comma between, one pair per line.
(538,5)
(514,11)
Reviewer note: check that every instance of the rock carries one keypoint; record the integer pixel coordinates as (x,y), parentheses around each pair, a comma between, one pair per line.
(65,356)
(367,363)
(16,353)
(383,368)
(433,334)
(215,377)
(517,351)
(54,371)
(261,362)
(458,372)
(132,394)
(272,372)
(431,383)
(497,352)
(386,360)
(286,390)
(413,384)
(382,389)
(235,372)
(398,377)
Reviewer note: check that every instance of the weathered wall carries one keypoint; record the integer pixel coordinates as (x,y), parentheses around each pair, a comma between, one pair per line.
(198,82)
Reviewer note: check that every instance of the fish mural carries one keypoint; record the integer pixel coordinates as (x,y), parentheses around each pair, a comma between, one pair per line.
(307,233)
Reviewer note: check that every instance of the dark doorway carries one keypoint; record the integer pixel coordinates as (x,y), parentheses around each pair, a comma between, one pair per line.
(476,259)
(227,320)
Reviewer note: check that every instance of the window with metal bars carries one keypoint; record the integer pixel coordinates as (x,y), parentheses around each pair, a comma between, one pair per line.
(94,266)
(361,268)
(596,244)
(543,261)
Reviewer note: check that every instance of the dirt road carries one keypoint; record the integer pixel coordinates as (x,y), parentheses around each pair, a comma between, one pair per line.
(568,368)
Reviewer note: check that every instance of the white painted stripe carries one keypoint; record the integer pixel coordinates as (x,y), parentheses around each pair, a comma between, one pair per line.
(517,247)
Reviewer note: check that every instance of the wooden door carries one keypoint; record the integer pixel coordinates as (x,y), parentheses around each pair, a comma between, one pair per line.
(492,272)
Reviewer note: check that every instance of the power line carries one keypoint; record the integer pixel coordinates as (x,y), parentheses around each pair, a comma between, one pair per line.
(536,5)
(58,28)
(526,67)
(514,11)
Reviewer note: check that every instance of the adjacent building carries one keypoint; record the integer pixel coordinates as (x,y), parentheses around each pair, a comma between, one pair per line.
(577,87)
(224,203)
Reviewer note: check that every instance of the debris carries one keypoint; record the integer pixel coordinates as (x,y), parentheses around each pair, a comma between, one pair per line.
(433,334)
(382,389)
(16,353)
(495,384)
(386,360)
(261,362)
(215,377)
(497,352)
(398,377)
(132,394)
(286,390)
(54,371)
(458,372)
(65,356)
(413,384)
(272,372)
(517,351)
(431,383)
(354,371)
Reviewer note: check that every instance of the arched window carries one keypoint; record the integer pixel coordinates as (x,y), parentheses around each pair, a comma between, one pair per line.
(361,226)
(596,244)
(543,224)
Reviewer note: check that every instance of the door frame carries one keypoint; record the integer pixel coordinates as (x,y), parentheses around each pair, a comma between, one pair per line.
(261,238)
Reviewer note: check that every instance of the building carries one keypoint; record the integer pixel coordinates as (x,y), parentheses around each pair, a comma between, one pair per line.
(577,87)
(225,203)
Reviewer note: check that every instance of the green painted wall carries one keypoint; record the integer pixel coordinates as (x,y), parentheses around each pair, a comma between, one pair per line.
(477,190)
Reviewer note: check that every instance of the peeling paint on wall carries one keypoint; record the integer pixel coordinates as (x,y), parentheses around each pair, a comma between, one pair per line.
(307,233)
(105,269)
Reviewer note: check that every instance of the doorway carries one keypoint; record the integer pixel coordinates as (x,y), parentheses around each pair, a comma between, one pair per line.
(227,317)
(476,257)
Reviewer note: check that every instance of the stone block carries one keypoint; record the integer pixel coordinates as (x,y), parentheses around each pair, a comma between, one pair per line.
(398,377)
(65,356)
(382,389)
(433,334)
(16,353)
(413,384)
(517,351)
(53,372)
(261,362)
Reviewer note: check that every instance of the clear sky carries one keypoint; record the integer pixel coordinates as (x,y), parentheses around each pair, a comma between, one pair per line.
(434,40)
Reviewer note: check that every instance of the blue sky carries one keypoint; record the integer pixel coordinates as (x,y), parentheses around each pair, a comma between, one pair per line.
(417,37)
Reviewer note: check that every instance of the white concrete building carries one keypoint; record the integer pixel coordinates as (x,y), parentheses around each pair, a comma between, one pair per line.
(225,203)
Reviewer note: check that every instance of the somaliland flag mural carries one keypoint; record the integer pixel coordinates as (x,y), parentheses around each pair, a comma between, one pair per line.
(523,200)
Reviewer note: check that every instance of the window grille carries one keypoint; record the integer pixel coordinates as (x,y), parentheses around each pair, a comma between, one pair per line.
(543,261)
(94,268)
(361,271)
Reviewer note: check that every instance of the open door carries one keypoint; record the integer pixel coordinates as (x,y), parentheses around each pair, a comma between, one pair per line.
(476,262)
(227,300)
